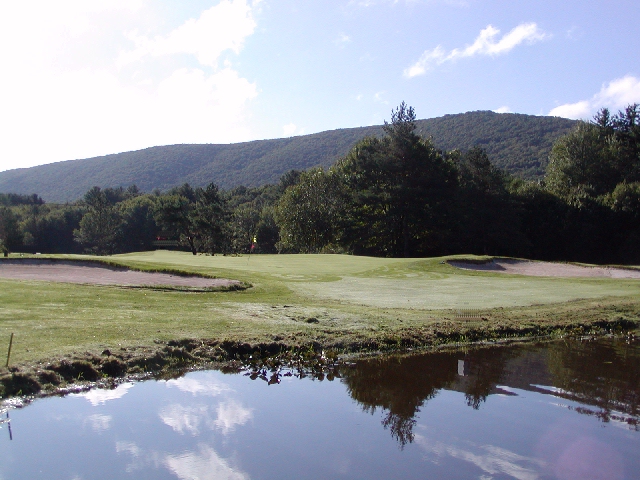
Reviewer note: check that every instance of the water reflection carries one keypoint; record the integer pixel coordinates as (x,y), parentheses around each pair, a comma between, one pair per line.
(189,419)
(99,396)
(7,422)
(489,459)
(525,412)
(99,423)
(204,464)
(199,387)
(604,375)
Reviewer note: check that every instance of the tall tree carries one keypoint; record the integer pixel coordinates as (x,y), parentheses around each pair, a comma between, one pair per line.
(10,233)
(596,156)
(138,229)
(582,164)
(98,231)
(210,220)
(173,214)
(626,126)
(308,212)
(402,188)
(487,219)
(196,217)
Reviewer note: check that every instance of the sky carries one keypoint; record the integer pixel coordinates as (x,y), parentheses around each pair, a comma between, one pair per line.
(87,78)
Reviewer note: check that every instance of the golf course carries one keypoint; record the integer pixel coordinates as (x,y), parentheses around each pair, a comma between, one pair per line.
(334,303)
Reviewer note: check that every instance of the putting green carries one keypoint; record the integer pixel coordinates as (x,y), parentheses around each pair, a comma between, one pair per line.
(460,291)
(423,284)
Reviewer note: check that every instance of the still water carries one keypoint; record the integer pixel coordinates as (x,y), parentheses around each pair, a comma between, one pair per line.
(566,410)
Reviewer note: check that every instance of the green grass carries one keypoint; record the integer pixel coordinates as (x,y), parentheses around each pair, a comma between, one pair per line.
(351,298)
(424,284)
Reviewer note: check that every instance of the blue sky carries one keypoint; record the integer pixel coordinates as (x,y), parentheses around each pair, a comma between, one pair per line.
(86,78)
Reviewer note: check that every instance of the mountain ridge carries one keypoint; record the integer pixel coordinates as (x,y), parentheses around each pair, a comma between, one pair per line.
(519,143)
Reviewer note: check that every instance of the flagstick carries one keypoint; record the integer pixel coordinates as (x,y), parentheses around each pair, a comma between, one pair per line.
(9,353)
(253,244)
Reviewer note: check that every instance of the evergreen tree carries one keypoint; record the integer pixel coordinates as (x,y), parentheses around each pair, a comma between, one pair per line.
(98,229)
(401,191)
(10,233)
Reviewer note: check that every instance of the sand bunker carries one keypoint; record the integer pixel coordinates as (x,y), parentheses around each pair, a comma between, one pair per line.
(94,273)
(546,269)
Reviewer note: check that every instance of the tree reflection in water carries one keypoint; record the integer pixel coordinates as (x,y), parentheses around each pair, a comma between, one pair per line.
(604,374)
(400,386)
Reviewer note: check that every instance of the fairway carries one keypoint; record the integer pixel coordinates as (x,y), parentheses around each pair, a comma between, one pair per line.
(336,301)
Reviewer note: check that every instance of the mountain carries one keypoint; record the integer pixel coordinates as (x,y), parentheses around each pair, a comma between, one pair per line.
(518,143)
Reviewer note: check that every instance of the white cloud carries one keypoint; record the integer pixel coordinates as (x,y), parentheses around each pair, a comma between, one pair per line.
(378,97)
(222,27)
(203,465)
(193,418)
(230,414)
(574,33)
(490,459)
(99,396)
(580,109)
(99,423)
(128,447)
(503,109)
(199,386)
(291,129)
(139,459)
(75,80)
(370,3)
(185,419)
(485,44)
(342,40)
(615,95)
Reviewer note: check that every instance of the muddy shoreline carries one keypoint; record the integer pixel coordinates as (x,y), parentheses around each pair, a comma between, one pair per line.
(83,371)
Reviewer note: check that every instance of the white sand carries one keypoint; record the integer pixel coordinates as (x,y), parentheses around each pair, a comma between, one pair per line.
(84,272)
(547,269)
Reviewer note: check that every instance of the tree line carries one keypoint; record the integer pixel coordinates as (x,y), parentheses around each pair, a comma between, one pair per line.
(394,195)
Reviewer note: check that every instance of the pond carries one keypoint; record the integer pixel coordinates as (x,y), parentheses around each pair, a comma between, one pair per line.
(565,409)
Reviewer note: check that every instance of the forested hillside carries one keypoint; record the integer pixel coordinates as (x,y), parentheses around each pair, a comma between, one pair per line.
(518,143)
(393,195)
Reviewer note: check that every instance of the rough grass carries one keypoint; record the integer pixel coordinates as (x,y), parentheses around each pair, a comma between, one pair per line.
(338,302)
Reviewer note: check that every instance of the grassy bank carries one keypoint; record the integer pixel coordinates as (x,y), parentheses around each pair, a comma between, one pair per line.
(333,302)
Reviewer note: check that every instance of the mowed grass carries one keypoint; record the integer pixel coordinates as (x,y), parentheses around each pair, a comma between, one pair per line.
(322,298)
(424,284)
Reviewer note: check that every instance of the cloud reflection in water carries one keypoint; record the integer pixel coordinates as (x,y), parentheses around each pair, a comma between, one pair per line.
(190,419)
(203,465)
(99,396)
(230,414)
(490,459)
(209,387)
(99,423)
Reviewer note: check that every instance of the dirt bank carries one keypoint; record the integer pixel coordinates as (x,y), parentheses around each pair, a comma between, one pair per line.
(546,269)
(98,274)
